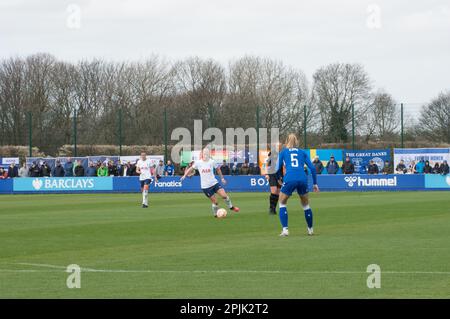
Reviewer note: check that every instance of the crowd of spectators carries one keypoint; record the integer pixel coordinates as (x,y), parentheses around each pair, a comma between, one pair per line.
(76,169)
(422,167)
(108,168)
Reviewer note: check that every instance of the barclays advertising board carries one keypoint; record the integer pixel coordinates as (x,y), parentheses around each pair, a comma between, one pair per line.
(65,184)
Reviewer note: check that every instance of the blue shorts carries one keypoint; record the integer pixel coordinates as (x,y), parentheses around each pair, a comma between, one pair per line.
(210,191)
(145,182)
(289,187)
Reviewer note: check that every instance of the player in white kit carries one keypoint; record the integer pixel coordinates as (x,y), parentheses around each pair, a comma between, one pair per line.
(208,181)
(143,168)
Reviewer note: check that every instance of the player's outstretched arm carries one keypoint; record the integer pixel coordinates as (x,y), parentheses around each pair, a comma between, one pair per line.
(219,172)
(186,173)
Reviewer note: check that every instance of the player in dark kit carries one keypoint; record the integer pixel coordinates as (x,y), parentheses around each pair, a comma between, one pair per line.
(275,180)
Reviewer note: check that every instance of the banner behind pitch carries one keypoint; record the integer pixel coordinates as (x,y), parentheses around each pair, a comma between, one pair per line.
(255,183)
(65,184)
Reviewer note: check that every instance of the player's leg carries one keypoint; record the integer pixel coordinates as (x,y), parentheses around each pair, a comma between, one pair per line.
(209,192)
(308,212)
(215,205)
(222,193)
(145,187)
(274,194)
(283,214)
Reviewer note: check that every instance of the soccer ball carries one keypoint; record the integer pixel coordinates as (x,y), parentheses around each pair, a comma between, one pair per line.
(221,213)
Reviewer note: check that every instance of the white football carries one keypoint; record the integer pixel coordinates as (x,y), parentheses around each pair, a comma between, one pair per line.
(221,213)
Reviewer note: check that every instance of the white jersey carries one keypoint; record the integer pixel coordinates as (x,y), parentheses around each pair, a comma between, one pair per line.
(206,170)
(145,168)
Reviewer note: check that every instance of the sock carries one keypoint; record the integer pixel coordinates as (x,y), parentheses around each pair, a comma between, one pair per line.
(145,197)
(308,216)
(215,208)
(273,199)
(283,216)
(228,201)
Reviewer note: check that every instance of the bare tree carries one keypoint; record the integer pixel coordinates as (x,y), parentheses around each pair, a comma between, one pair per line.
(435,119)
(203,84)
(381,118)
(337,87)
(280,92)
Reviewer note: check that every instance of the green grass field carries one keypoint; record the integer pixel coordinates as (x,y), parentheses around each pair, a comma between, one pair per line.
(176,249)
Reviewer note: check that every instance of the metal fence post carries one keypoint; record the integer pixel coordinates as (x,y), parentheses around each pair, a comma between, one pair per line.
(30,134)
(75,132)
(353,126)
(304,127)
(257,135)
(401,125)
(165,134)
(120,132)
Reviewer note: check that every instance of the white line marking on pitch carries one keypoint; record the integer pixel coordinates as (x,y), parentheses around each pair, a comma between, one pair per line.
(223,271)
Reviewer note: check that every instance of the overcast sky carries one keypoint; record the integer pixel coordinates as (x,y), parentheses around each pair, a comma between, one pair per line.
(403,44)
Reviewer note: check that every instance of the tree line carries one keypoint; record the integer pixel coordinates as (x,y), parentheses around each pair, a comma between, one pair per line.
(195,88)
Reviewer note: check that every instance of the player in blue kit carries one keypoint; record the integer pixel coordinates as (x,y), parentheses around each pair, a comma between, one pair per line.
(295,179)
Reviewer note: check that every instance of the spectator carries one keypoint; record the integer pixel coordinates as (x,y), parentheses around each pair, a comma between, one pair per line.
(318,164)
(372,168)
(127,170)
(169,170)
(427,168)
(255,170)
(235,169)
(387,169)
(91,170)
(79,169)
(35,171)
(23,171)
(45,170)
(332,166)
(3,173)
(436,169)
(348,167)
(13,171)
(152,170)
(225,169)
(160,169)
(418,169)
(444,168)
(244,170)
(112,169)
(401,168)
(68,167)
(412,168)
(102,170)
(58,170)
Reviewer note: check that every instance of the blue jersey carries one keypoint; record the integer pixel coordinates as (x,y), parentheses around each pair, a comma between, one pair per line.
(294,160)
(170,170)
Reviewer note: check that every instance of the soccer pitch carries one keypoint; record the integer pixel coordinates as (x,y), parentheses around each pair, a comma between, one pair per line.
(176,249)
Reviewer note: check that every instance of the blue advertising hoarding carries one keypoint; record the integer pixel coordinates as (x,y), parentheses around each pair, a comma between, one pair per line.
(255,183)
(64,184)
(435,181)
(361,158)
